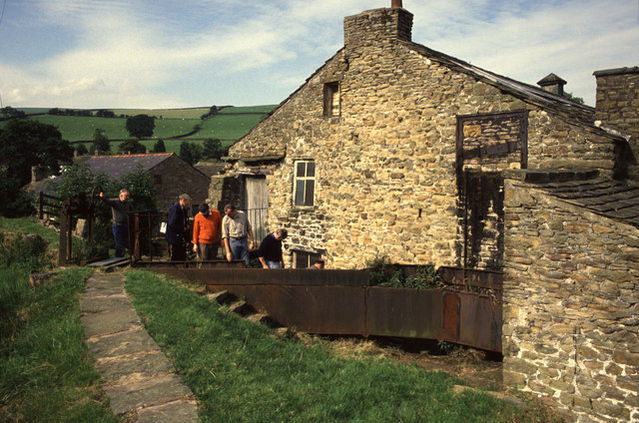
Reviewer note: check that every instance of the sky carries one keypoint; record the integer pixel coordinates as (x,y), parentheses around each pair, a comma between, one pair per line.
(190,53)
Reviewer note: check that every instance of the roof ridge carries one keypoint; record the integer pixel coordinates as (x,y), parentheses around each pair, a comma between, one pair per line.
(131,155)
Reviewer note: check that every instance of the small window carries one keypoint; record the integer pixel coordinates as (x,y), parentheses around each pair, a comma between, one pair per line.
(304,184)
(305,260)
(331,99)
(157,179)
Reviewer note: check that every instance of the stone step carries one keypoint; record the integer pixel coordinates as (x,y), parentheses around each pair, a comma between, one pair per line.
(241,307)
(221,297)
(262,318)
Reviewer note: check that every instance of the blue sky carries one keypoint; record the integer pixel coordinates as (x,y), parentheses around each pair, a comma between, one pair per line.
(187,53)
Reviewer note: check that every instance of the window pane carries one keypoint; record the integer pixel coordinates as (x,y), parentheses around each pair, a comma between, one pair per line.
(310,169)
(310,188)
(300,169)
(299,193)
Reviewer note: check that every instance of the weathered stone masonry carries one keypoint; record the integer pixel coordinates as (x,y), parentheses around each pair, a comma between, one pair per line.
(571,304)
(386,165)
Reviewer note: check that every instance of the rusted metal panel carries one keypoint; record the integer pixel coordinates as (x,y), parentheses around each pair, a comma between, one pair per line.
(315,309)
(450,316)
(472,278)
(244,276)
(480,321)
(403,312)
(340,302)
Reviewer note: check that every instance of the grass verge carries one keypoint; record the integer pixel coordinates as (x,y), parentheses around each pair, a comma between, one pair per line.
(45,371)
(240,372)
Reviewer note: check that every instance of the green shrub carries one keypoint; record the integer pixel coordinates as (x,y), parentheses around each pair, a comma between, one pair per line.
(26,251)
(384,273)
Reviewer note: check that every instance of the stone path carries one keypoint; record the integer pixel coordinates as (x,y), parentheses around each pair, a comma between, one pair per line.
(140,382)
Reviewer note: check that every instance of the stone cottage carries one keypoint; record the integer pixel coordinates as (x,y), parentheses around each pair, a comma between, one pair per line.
(171,175)
(391,148)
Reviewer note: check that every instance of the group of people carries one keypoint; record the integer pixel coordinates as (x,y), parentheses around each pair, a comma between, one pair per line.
(210,230)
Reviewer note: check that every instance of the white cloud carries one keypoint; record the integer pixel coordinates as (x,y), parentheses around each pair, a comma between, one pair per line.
(130,53)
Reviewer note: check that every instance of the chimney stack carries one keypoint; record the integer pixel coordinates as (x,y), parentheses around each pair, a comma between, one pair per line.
(553,84)
(395,4)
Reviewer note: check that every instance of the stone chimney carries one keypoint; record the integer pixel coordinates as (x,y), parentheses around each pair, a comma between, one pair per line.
(617,106)
(553,84)
(378,26)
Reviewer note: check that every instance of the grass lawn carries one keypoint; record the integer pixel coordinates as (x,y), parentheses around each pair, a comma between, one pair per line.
(46,374)
(240,372)
(30,225)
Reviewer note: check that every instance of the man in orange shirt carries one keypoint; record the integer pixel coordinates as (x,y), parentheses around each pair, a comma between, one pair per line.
(206,233)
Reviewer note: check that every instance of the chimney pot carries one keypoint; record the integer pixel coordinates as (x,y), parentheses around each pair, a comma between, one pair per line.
(396,4)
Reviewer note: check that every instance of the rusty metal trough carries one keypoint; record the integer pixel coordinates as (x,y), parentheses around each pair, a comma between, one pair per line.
(467,310)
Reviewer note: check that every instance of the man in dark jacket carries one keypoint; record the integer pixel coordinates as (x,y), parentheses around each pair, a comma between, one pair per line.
(270,252)
(120,209)
(176,228)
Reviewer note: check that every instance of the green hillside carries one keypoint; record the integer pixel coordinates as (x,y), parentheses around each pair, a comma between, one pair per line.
(171,125)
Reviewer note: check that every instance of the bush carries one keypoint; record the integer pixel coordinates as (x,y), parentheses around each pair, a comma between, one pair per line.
(384,273)
(26,251)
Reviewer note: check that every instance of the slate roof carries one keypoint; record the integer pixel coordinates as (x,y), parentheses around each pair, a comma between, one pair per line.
(606,197)
(116,166)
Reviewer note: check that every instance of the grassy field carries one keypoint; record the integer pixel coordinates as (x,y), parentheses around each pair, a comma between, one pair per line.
(240,372)
(46,374)
(229,125)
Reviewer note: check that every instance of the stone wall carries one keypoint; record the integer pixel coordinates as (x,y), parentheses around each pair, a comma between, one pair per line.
(179,177)
(618,105)
(386,165)
(571,305)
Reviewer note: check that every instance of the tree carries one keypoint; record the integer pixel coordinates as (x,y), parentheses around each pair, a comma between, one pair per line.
(132,146)
(570,96)
(10,113)
(140,126)
(101,143)
(159,147)
(81,150)
(190,152)
(213,149)
(26,143)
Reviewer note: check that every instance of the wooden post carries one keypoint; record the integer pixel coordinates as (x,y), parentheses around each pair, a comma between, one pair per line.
(137,251)
(41,206)
(64,228)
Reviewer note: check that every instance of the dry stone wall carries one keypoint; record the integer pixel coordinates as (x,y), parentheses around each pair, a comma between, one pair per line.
(178,178)
(386,166)
(571,305)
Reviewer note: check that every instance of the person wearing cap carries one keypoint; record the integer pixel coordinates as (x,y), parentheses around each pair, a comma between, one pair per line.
(206,232)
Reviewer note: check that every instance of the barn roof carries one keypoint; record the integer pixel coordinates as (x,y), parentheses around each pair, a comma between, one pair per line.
(117,166)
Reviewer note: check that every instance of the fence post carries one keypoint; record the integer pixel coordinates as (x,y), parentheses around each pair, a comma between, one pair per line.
(41,206)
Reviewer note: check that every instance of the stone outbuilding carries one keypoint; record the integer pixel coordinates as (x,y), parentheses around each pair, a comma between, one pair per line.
(171,175)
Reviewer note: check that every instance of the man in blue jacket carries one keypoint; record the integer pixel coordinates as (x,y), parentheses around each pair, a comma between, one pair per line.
(176,228)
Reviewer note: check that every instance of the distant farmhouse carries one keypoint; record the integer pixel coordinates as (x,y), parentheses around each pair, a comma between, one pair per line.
(394,149)
(171,175)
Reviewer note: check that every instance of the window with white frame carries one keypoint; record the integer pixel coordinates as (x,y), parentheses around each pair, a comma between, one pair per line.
(304,183)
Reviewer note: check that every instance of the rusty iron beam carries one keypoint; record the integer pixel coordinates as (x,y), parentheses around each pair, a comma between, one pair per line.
(244,276)
(338,310)
(341,302)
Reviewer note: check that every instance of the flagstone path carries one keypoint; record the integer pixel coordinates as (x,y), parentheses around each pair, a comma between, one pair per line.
(139,380)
